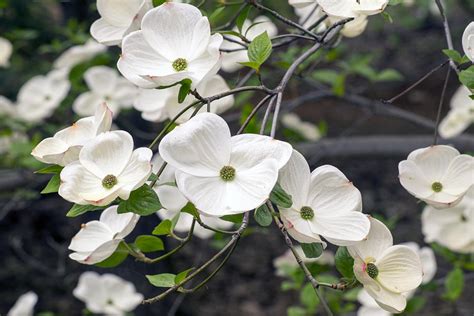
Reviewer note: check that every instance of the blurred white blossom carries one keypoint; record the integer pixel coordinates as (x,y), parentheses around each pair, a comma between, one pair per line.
(307,130)
(25,305)
(6,49)
(288,260)
(79,54)
(460,116)
(468,41)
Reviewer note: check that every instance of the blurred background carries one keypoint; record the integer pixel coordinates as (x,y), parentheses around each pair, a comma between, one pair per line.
(358,135)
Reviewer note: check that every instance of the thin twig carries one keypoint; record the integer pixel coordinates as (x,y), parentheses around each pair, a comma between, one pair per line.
(440,106)
(447,32)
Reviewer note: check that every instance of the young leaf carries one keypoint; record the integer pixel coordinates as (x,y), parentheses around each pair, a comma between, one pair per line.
(344,263)
(143,201)
(77,209)
(239,22)
(251,64)
(190,209)
(163,228)
(149,243)
(157,3)
(296,311)
(153,177)
(467,77)
(280,197)
(115,259)
(184,90)
(50,169)
(309,298)
(162,280)
(263,216)
(453,54)
(260,48)
(182,275)
(454,284)
(236,219)
(53,185)
(313,250)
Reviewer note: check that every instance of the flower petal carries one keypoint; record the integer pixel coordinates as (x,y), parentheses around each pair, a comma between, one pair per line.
(414,180)
(399,269)
(91,236)
(294,178)
(378,239)
(342,230)
(101,79)
(433,161)
(100,254)
(86,103)
(50,150)
(460,175)
(200,147)
(119,224)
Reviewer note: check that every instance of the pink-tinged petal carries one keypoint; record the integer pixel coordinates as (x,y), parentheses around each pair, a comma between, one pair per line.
(400,269)
(378,239)
(294,178)
(107,154)
(200,147)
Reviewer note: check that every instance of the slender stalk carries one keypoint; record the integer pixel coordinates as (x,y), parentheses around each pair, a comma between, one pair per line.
(440,107)
(447,32)
(252,114)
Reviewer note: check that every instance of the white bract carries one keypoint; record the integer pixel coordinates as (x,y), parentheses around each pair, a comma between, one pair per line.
(107,168)
(174,43)
(40,96)
(369,306)
(6,49)
(452,227)
(288,261)
(352,8)
(97,240)
(220,174)
(307,130)
(158,105)
(118,18)
(386,271)
(106,85)
(460,116)
(25,305)
(79,54)
(428,261)
(6,107)
(438,175)
(325,204)
(309,12)
(65,145)
(251,29)
(107,294)
(468,41)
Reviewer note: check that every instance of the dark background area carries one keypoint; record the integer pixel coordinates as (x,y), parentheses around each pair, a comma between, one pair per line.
(34,233)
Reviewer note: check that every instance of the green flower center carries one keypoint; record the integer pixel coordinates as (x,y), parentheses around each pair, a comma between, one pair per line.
(437,187)
(180,64)
(307,213)
(227,173)
(109,181)
(372,270)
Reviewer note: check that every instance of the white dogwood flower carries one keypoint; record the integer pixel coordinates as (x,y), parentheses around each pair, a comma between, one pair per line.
(65,145)
(468,41)
(79,54)
(288,260)
(106,85)
(325,204)
(174,43)
(221,174)
(231,60)
(309,12)
(428,261)
(385,271)
(369,306)
(158,105)
(107,168)
(307,130)
(460,116)
(40,96)
(451,227)
(98,240)
(438,175)
(25,305)
(6,107)
(107,294)
(352,8)
(6,49)
(118,18)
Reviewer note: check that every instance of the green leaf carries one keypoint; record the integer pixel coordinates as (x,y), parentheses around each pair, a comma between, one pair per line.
(296,311)
(77,209)
(162,280)
(53,185)
(280,197)
(182,275)
(239,22)
(467,77)
(313,250)
(50,169)
(152,177)
(263,216)
(143,201)
(326,75)
(344,263)
(149,243)
(260,49)
(236,219)
(157,3)
(414,305)
(120,254)
(163,228)
(251,64)
(309,298)
(388,75)
(190,209)
(454,284)
(453,54)
(184,90)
